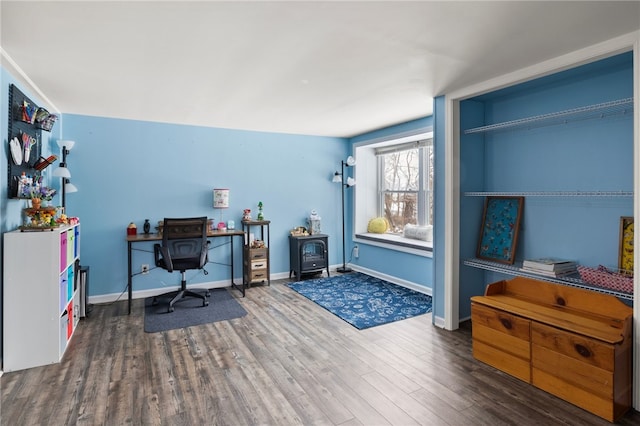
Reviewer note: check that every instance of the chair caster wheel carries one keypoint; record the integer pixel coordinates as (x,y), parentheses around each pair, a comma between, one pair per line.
(171,308)
(154,302)
(205,303)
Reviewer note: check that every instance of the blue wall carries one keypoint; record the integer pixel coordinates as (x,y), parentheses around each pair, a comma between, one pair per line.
(583,155)
(128,171)
(404,266)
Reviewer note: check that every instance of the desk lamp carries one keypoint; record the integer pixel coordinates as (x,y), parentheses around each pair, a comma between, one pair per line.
(221,201)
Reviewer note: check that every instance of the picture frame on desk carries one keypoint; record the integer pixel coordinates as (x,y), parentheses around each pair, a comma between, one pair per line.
(499,229)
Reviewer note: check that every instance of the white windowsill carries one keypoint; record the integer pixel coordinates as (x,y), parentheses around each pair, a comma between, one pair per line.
(396,242)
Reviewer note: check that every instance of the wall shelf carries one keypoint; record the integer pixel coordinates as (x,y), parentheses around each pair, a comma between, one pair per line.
(620,106)
(549,194)
(515,270)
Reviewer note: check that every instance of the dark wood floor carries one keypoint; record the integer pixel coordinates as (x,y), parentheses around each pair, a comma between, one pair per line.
(287,362)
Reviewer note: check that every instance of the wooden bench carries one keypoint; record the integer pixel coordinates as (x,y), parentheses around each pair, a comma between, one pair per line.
(573,343)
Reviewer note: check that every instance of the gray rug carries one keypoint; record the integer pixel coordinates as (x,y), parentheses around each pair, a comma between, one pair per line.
(188,312)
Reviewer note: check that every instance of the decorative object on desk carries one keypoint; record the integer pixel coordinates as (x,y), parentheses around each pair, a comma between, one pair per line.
(222,226)
(246,215)
(364,301)
(314,222)
(499,230)
(132,229)
(625,251)
(339,177)
(146,227)
(607,278)
(63,172)
(222,307)
(231,225)
(260,213)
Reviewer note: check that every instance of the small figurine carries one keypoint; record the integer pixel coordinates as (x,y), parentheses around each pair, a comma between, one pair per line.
(260,213)
(246,215)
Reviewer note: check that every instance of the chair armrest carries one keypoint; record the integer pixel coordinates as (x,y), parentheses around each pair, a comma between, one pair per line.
(162,257)
(204,254)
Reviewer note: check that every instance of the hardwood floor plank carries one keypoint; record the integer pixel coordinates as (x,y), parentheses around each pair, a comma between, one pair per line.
(287,362)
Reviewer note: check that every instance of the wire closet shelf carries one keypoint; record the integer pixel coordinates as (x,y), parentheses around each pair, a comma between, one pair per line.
(620,106)
(515,270)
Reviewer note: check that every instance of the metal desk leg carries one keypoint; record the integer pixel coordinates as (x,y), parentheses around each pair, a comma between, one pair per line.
(129,286)
(233,284)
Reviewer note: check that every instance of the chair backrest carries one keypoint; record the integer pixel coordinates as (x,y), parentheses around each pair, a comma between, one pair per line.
(186,239)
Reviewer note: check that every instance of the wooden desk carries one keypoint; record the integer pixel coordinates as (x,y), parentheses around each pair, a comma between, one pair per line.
(142,238)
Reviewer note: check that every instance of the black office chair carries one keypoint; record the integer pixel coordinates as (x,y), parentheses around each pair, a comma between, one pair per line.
(184,247)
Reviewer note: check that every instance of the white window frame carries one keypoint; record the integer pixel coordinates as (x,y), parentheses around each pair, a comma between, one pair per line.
(367,194)
(424,190)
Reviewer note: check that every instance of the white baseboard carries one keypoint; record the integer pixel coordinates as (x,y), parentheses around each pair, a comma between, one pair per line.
(438,322)
(141,294)
(402,283)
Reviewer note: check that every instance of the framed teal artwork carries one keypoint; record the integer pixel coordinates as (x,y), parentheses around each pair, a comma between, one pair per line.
(499,230)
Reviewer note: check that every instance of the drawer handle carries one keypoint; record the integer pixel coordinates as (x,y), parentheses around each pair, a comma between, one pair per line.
(583,350)
(506,323)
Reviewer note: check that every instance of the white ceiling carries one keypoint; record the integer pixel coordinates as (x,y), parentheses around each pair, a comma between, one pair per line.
(330,68)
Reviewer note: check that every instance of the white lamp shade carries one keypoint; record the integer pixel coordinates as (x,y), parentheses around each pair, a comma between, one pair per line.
(337,177)
(64,144)
(62,172)
(69,187)
(220,198)
(351,181)
(351,161)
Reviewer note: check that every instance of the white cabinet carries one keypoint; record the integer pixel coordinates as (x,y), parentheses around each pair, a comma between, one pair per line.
(41,296)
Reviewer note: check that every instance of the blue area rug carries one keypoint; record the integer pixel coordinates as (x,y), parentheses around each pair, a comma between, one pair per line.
(364,301)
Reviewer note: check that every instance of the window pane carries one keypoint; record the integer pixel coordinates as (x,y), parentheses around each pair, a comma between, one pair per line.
(402,171)
(400,208)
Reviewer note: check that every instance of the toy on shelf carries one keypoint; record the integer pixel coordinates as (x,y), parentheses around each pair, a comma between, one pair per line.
(260,213)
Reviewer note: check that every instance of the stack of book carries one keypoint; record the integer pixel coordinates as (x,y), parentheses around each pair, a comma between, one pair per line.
(550,267)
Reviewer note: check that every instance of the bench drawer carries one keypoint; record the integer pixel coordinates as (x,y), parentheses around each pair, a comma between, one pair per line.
(501,340)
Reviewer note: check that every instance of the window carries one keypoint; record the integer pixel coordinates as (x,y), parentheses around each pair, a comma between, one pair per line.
(405,182)
(395,177)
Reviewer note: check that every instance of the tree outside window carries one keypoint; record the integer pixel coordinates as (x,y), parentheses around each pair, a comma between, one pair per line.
(405,174)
